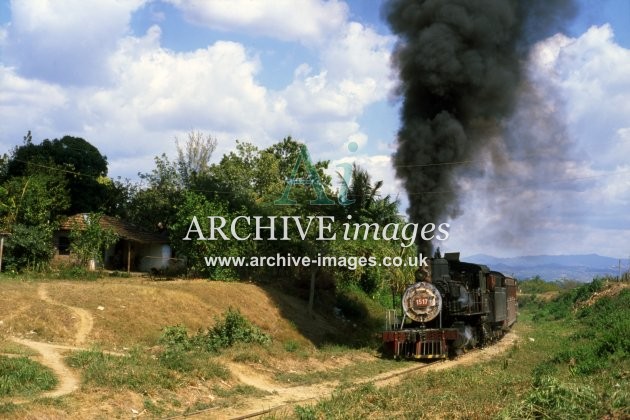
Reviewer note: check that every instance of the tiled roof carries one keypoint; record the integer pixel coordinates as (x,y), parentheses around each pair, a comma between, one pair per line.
(123,229)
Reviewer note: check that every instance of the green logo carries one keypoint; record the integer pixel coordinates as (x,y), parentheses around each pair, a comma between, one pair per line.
(312,180)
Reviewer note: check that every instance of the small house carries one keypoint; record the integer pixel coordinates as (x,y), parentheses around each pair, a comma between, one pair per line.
(135,250)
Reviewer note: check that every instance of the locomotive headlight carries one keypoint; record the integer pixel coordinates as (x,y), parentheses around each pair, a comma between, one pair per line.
(422,302)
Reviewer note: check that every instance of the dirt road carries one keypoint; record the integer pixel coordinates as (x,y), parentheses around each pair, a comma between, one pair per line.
(283,397)
(51,355)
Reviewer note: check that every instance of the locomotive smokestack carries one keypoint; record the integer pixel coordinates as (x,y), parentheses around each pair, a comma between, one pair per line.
(460,67)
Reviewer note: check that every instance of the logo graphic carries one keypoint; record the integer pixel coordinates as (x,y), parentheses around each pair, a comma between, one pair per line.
(313,180)
(346,177)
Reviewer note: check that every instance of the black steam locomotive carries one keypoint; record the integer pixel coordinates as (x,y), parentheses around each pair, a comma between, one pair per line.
(455,306)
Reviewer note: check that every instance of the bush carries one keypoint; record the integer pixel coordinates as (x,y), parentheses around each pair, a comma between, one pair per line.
(233,328)
(29,248)
(562,306)
(176,336)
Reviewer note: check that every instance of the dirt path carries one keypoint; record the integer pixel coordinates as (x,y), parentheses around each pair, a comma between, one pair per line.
(51,357)
(85,319)
(279,395)
(287,396)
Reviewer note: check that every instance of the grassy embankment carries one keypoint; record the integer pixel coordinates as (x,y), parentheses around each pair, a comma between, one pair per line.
(571,362)
(185,367)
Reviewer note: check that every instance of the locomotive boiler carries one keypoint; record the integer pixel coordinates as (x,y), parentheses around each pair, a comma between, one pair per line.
(455,306)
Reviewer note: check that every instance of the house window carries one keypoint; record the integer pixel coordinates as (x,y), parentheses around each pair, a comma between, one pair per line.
(64,245)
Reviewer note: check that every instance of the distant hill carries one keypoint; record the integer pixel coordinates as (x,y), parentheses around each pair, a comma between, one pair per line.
(553,267)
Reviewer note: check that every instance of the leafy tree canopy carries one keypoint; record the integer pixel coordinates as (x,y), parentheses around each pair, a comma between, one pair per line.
(80,162)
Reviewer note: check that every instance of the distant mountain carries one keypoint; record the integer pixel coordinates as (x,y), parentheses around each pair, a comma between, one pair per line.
(552,267)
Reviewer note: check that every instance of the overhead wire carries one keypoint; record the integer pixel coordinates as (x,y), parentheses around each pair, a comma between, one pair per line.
(409,193)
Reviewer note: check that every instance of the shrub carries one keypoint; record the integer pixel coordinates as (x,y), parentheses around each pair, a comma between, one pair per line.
(233,328)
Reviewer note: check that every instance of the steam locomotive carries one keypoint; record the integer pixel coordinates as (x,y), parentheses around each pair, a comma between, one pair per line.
(453,307)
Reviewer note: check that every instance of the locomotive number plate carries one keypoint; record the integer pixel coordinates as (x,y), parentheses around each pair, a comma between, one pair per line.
(421,301)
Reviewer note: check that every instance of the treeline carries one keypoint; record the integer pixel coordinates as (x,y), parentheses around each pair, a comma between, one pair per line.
(537,285)
(41,184)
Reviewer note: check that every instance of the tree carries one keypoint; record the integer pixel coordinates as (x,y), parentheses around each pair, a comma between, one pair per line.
(38,197)
(367,202)
(29,247)
(196,251)
(193,158)
(29,208)
(88,240)
(80,163)
(155,203)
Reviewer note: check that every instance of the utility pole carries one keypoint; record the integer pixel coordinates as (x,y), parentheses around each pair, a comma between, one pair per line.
(2,236)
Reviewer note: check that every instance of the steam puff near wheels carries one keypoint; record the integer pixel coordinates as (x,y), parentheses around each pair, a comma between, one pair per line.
(456,306)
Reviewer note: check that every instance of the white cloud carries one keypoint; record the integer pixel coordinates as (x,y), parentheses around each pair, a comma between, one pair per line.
(66,41)
(130,96)
(354,73)
(379,168)
(583,208)
(26,104)
(178,90)
(288,20)
(593,73)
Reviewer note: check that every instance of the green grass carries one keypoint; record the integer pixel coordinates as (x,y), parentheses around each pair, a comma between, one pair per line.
(137,371)
(9,347)
(144,373)
(566,364)
(22,376)
(232,329)
(181,359)
(347,374)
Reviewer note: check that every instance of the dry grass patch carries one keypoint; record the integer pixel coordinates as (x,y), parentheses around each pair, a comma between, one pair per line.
(22,313)
(268,309)
(13,348)
(136,311)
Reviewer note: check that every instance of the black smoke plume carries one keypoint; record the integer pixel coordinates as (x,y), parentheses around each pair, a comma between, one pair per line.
(460,67)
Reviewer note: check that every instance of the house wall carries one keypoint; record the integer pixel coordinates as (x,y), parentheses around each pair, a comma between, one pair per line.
(155,256)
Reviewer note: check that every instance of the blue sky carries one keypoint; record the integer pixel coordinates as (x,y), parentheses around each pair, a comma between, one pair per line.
(132,75)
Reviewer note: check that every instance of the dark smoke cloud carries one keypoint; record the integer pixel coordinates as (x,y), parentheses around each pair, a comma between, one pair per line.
(460,66)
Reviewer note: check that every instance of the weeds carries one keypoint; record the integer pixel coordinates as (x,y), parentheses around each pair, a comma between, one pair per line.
(233,328)
(551,398)
(571,363)
(20,376)
(291,346)
(596,353)
(137,371)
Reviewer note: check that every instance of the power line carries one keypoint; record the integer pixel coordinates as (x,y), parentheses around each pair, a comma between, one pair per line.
(56,168)
(552,181)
